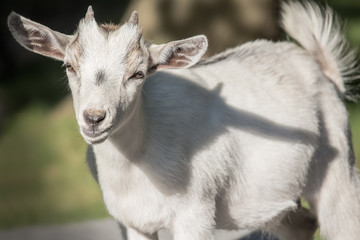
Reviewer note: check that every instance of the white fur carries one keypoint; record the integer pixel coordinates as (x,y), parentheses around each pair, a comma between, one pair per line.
(231,142)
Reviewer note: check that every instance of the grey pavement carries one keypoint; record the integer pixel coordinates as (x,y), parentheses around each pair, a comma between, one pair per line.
(103,229)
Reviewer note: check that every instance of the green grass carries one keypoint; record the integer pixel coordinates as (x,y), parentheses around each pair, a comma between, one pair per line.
(43,173)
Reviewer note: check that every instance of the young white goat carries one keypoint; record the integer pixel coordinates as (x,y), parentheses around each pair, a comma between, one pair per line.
(229,142)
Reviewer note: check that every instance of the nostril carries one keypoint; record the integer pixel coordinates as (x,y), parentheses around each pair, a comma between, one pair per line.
(93,116)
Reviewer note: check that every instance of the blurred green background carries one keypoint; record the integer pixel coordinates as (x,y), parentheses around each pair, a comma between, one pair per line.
(43,174)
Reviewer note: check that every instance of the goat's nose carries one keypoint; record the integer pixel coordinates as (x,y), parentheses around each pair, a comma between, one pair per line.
(93,116)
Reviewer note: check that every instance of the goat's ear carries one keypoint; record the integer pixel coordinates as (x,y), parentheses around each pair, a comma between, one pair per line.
(178,54)
(38,38)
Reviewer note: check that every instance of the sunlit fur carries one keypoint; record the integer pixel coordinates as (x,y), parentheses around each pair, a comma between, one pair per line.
(230,142)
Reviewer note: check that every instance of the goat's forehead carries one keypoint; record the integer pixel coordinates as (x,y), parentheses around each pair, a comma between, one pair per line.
(111,50)
(107,37)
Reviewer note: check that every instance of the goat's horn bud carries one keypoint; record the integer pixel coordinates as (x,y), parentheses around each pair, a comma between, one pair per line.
(89,14)
(134,18)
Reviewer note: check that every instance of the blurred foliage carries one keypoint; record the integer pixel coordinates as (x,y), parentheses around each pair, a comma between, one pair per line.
(226,23)
(354,112)
(43,174)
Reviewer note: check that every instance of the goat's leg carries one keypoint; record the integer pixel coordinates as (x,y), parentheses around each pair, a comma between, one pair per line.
(298,225)
(333,188)
(194,222)
(91,161)
(336,202)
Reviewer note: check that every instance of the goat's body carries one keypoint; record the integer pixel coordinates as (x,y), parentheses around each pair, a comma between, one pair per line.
(249,163)
(232,142)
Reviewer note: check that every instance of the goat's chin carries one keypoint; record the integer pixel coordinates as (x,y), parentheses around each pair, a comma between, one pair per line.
(94,139)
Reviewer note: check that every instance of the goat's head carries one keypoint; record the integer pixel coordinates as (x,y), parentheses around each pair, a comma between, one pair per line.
(106,65)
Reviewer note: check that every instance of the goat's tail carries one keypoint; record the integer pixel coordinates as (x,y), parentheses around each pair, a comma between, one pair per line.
(318,30)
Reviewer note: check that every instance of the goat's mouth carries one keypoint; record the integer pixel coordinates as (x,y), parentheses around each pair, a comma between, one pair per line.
(94,136)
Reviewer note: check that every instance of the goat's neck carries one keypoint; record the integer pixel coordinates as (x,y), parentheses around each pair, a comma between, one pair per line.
(129,139)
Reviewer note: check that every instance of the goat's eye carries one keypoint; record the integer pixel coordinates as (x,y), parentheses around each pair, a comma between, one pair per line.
(138,75)
(69,67)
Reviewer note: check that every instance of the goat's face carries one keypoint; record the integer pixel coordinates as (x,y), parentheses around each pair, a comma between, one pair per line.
(106,66)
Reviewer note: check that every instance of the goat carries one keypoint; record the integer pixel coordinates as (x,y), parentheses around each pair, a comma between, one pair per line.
(229,142)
